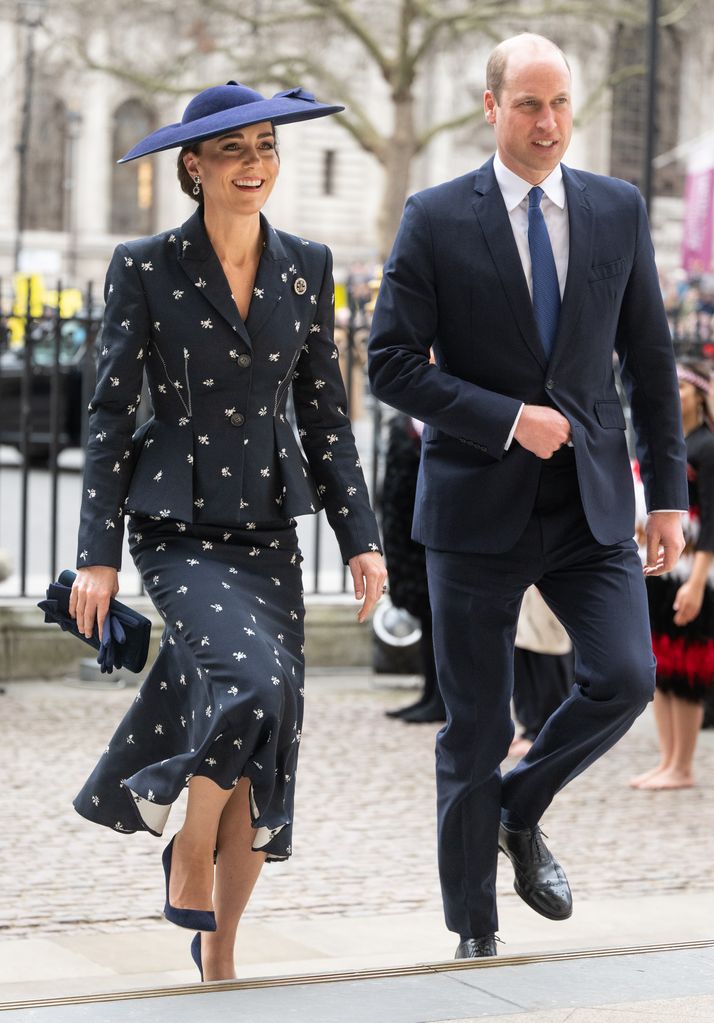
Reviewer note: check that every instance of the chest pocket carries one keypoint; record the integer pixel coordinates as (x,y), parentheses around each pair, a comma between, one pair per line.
(605,270)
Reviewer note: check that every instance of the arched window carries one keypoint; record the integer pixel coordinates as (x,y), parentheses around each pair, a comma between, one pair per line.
(132,207)
(45,162)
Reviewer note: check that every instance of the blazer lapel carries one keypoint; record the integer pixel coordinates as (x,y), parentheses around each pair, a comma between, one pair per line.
(271,281)
(580,221)
(492,214)
(202,266)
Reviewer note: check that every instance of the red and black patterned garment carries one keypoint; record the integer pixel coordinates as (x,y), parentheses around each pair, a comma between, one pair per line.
(685,654)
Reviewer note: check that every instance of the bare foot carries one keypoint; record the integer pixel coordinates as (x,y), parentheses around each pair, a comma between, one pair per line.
(217,961)
(519,747)
(669,779)
(191,881)
(636,782)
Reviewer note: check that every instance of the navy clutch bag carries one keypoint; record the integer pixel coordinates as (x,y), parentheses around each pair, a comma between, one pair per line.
(125,638)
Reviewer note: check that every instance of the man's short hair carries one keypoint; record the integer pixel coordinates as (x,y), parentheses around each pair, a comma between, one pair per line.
(498,59)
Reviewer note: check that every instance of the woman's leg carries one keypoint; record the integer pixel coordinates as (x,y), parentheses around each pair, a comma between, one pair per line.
(191,884)
(663,704)
(687,720)
(237,870)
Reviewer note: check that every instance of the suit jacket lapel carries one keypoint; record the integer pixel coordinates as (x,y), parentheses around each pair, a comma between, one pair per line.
(271,281)
(202,266)
(491,211)
(580,221)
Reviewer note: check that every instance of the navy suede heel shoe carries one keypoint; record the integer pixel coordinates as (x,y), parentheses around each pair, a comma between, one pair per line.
(194,919)
(196,952)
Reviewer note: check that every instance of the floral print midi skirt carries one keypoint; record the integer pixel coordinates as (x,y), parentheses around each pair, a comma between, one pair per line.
(224,698)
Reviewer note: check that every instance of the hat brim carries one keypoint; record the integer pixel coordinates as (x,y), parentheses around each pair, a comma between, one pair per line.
(279,110)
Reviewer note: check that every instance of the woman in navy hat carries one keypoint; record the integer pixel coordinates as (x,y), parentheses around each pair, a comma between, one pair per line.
(228,316)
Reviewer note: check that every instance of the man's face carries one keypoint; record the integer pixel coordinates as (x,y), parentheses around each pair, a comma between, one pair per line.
(534,120)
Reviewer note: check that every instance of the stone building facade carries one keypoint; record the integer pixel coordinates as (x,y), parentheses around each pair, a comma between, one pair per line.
(80,204)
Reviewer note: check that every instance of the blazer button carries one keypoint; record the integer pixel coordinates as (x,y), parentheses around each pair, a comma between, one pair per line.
(244,360)
(549,384)
(237,419)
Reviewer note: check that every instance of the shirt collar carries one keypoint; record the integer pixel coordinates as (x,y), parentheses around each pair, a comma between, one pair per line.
(514,189)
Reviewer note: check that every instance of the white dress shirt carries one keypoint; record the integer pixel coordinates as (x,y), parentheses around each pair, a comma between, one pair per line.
(555,213)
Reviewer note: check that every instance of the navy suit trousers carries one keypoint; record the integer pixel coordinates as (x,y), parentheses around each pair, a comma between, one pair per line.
(598,594)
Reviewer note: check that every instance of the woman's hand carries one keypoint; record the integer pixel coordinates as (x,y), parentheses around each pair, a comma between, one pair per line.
(91,592)
(369,576)
(688,602)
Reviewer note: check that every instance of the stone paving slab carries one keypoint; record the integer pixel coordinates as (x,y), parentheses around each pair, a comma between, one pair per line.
(661,987)
(364,831)
(80,906)
(670,1010)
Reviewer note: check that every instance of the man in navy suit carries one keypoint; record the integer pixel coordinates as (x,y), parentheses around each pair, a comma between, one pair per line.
(525,278)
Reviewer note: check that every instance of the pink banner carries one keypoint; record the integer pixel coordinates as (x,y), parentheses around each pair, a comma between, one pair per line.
(698,240)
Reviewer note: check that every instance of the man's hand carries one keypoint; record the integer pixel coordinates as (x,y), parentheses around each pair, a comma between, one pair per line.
(665,541)
(542,430)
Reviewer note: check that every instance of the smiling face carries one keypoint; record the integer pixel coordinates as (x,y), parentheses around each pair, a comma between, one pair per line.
(533,117)
(237,170)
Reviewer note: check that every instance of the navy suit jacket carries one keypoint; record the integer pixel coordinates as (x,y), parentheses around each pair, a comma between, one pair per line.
(454,282)
(219,448)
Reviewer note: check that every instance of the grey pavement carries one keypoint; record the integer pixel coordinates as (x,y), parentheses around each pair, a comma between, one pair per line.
(80,906)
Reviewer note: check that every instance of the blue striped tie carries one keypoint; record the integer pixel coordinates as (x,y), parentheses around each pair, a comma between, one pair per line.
(546,290)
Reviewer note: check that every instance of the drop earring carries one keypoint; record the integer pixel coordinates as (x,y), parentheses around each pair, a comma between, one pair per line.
(197,185)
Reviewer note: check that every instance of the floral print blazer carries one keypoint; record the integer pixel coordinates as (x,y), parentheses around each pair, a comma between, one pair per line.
(219,448)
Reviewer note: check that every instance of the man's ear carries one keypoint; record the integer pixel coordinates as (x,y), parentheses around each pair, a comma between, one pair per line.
(489,106)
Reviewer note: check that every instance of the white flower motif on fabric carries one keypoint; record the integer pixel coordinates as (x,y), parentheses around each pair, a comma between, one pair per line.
(178,294)
(128,261)
(207,324)
(147,266)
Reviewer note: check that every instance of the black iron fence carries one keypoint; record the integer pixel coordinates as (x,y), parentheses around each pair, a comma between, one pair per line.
(47,376)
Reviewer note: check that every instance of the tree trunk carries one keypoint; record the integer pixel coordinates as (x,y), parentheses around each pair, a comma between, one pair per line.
(398,154)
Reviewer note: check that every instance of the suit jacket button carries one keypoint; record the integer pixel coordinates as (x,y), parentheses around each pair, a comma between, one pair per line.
(550,384)
(237,419)
(244,360)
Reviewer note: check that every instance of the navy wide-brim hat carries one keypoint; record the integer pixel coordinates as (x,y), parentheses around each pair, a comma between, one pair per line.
(224,108)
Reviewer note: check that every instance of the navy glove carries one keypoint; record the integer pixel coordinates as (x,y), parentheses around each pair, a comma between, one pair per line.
(113,639)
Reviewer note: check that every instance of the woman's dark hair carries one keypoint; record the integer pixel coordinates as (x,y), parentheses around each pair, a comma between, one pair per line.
(186,181)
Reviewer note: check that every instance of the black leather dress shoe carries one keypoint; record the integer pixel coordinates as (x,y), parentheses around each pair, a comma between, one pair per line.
(476,948)
(540,880)
(432,710)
